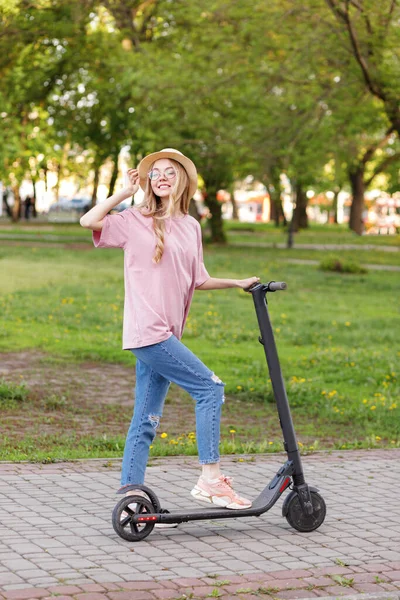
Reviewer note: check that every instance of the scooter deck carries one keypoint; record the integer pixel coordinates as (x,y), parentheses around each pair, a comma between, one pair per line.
(264,501)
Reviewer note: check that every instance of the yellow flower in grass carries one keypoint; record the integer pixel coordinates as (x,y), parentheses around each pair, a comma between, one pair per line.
(378,439)
(232,431)
(164,435)
(373,407)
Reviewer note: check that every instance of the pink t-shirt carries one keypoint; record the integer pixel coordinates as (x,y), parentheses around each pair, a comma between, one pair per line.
(157,296)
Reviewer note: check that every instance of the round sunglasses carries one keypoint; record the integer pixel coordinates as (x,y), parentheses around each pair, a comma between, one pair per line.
(154,174)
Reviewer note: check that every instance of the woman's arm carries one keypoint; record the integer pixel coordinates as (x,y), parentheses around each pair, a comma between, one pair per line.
(219,284)
(93,219)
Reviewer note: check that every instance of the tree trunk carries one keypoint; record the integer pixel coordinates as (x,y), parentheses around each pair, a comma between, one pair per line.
(335,205)
(276,209)
(300,218)
(235,212)
(356,176)
(95,184)
(275,196)
(215,207)
(114,174)
(16,212)
(57,186)
(34,198)
(273,211)
(46,187)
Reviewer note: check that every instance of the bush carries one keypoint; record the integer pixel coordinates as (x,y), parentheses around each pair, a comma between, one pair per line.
(11,393)
(339,265)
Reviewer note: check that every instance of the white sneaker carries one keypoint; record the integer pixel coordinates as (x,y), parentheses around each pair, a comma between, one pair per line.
(219,492)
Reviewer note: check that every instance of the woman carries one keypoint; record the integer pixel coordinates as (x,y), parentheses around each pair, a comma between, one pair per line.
(163,266)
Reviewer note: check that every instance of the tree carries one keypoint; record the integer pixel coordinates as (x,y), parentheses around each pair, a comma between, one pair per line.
(36,50)
(371,32)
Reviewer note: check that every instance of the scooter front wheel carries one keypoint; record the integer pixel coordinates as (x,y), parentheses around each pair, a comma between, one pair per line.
(122,518)
(298,519)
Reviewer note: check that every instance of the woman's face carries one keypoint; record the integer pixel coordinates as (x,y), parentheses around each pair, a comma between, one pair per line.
(162,177)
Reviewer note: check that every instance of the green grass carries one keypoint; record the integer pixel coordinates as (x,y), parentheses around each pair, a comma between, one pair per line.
(12,394)
(337,337)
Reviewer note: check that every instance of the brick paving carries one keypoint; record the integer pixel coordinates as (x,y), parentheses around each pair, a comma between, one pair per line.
(56,537)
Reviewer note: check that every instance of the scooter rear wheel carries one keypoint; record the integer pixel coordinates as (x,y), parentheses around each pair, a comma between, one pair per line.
(298,519)
(122,518)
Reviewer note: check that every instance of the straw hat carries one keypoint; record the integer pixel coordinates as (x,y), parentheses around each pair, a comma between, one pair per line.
(187,164)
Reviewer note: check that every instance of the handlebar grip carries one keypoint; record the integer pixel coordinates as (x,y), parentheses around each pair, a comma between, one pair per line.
(275,286)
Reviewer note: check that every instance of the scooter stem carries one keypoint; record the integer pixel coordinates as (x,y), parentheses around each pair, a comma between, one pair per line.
(267,339)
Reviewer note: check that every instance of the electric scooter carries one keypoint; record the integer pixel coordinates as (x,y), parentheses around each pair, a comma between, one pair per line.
(304,508)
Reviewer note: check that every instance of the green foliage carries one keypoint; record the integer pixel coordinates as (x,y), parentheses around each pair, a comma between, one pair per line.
(244,88)
(55,402)
(343,581)
(12,394)
(339,265)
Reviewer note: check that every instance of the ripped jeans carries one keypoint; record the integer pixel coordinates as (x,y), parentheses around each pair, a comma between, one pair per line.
(156,367)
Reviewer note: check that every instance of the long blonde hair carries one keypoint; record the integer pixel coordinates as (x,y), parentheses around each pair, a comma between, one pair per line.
(178,202)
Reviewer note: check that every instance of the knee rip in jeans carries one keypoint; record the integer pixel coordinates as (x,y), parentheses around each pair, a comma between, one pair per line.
(218,381)
(154,420)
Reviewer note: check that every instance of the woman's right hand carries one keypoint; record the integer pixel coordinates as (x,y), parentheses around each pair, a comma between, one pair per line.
(132,181)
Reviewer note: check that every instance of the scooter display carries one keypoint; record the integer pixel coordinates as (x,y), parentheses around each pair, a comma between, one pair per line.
(135,516)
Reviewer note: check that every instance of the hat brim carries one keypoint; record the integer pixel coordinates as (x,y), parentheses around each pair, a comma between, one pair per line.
(187,164)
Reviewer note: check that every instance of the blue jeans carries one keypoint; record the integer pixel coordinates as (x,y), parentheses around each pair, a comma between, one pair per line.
(156,367)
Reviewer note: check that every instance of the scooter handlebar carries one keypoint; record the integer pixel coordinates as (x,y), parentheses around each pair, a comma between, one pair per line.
(272,286)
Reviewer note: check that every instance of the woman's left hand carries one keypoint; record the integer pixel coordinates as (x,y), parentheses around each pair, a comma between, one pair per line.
(246,283)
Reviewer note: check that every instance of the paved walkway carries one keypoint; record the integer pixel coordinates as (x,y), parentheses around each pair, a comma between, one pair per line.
(300,246)
(56,538)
